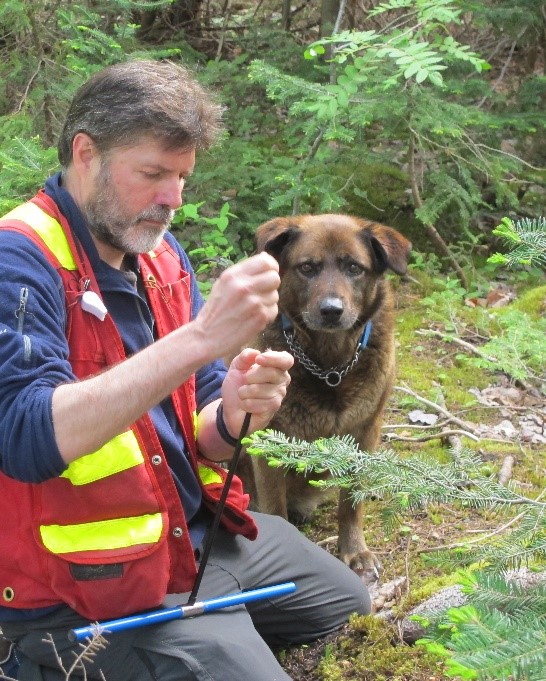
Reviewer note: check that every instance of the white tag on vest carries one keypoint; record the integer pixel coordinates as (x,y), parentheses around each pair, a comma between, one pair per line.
(90,302)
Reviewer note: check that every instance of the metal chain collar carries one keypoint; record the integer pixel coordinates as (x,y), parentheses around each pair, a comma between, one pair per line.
(332,377)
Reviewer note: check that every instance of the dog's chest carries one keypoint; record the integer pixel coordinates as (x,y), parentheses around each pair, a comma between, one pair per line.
(311,409)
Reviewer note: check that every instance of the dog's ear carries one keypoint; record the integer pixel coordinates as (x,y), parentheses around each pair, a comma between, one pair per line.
(390,249)
(273,236)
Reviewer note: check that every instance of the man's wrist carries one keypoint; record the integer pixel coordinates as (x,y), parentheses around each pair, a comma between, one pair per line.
(222,428)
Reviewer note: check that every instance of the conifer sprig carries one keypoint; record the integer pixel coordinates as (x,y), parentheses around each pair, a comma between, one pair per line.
(499,635)
(404,484)
(526,239)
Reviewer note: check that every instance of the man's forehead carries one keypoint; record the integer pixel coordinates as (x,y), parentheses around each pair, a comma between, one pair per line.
(155,151)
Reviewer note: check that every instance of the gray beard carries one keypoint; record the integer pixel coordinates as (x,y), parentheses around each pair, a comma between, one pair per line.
(109,225)
(132,239)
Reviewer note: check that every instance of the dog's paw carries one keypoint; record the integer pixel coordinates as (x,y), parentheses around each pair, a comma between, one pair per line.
(366,565)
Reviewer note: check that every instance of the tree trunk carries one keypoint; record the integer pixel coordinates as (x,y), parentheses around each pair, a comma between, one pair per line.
(180,15)
(328,15)
(286,15)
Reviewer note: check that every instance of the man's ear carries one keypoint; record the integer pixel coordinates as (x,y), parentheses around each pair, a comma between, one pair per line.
(84,151)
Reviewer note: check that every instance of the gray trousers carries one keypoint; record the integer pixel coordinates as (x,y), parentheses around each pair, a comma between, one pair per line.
(224,645)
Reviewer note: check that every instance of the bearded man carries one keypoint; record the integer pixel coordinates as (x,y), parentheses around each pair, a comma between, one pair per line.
(115,408)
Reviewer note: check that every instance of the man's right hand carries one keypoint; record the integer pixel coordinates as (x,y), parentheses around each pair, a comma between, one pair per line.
(242,302)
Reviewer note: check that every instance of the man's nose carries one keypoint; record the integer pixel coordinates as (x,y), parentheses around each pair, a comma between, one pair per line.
(170,194)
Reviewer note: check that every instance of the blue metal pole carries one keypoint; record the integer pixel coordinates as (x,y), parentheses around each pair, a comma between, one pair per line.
(181,611)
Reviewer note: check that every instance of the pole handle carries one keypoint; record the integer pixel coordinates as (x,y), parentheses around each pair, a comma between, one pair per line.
(181,611)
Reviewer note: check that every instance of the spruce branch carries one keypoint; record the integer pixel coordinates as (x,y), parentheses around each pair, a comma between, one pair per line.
(501,633)
(403,484)
(499,646)
(526,240)
(502,591)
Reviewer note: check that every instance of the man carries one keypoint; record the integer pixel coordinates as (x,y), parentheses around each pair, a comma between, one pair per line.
(115,404)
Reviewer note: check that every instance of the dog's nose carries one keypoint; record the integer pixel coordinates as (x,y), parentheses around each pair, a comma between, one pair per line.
(331,309)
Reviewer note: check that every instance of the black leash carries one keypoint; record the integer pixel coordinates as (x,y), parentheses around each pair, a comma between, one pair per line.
(211,532)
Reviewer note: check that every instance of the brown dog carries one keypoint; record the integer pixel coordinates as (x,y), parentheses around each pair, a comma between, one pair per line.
(333,298)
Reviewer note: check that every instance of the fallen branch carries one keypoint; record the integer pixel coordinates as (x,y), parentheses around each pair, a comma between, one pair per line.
(458,341)
(412,426)
(443,434)
(442,410)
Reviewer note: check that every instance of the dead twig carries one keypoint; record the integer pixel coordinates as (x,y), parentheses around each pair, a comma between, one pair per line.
(327,540)
(436,238)
(464,544)
(494,533)
(505,472)
(443,434)
(442,410)
(453,439)
(458,341)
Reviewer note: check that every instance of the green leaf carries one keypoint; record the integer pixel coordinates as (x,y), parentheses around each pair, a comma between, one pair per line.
(191,210)
(436,78)
(412,70)
(498,258)
(421,76)
(313,51)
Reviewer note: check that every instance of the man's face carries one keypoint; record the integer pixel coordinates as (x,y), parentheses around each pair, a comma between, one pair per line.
(134,195)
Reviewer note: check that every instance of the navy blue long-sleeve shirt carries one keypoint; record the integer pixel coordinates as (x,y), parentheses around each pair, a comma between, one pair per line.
(34,359)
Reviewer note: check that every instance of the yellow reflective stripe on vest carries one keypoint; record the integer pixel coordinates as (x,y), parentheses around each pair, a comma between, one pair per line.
(47,228)
(103,534)
(119,454)
(208,475)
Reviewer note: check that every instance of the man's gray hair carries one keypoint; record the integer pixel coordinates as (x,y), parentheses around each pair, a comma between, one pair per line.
(126,101)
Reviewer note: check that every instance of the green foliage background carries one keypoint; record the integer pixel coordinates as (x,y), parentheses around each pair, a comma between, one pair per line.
(400,119)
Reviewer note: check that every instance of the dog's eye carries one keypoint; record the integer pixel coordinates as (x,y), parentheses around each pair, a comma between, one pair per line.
(354,269)
(307,268)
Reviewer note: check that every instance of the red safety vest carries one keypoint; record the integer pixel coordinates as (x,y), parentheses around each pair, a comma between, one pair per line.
(108,537)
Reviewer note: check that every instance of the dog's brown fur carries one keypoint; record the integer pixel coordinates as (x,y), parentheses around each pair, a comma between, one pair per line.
(332,283)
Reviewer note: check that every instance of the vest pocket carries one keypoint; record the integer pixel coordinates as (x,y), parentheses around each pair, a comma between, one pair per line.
(111,586)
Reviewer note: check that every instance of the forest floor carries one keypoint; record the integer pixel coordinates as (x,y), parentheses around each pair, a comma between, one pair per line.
(438,389)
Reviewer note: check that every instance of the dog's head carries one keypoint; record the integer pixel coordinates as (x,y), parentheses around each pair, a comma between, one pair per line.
(332,266)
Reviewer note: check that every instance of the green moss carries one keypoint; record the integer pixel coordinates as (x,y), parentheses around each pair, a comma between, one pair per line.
(532,302)
(371,651)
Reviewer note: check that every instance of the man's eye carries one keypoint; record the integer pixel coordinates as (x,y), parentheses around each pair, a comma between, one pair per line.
(151,175)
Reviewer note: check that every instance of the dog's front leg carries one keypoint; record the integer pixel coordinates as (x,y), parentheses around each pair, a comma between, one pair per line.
(352,547)
(270,488)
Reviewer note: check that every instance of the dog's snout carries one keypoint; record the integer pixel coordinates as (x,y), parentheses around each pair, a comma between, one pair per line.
(331,308)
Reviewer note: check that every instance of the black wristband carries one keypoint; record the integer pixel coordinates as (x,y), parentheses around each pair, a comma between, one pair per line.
(222,429)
